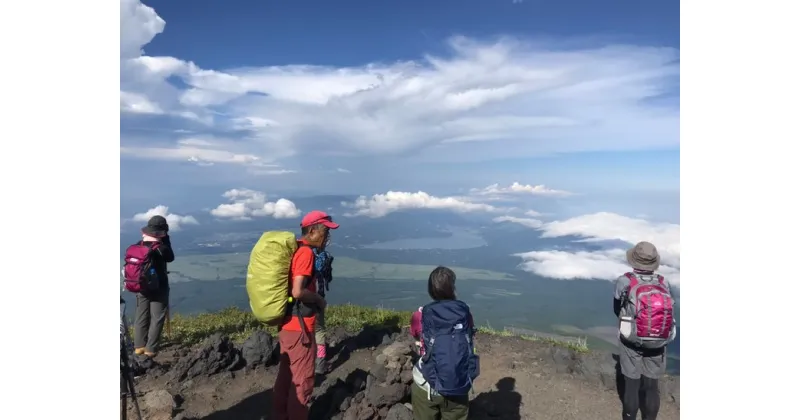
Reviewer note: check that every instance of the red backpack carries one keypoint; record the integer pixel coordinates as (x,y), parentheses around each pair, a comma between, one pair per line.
(650,311)
(138,272)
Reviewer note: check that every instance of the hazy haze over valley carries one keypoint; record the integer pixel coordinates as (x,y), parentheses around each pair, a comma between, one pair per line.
(384,261)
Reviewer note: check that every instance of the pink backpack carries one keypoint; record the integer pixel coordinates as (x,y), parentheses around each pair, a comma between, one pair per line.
(139,274)
(650,305)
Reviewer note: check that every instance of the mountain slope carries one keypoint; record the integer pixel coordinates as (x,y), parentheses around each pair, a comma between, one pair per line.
(520,379)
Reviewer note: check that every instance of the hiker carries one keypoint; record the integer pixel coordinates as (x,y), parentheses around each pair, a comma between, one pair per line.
(444,373)
(295,381)
(323,273)
(644,306)
(146,276)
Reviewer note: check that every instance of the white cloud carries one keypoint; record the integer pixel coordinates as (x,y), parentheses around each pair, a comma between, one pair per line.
(531,223)
(175,221)
(190,153)
(380,205)
(607,264)
(136,103)
(198,149)
(506,98)
(532,213)
(246,204)
(518,189)
(257,171)
(138,25)
(343,170)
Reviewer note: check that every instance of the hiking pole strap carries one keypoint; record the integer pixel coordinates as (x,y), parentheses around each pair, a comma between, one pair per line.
(301,320)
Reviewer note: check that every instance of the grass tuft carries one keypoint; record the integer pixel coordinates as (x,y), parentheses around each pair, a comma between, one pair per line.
(238,324)
(577,344)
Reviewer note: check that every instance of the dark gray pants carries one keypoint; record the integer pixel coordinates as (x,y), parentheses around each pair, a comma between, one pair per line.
(151,312)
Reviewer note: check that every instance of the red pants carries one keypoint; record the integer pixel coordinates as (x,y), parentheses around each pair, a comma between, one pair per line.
(295,381)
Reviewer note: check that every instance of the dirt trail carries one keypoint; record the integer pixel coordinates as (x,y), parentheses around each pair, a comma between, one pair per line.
(538,381)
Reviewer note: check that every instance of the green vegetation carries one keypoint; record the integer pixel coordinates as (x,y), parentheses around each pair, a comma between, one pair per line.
(239,324)
(210,267)
(577,344)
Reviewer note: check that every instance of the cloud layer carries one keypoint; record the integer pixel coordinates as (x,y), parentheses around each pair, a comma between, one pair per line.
(608,263)
(244,204)
(175,221)
(524,221)
(518,189)
(482,99)
(379,205)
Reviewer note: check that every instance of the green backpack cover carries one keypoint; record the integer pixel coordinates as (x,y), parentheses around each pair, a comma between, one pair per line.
(268,275)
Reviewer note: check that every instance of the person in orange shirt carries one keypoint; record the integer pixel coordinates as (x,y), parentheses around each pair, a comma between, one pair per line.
(295,381)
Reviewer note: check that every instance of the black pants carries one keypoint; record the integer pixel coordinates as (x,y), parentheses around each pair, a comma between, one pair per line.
(641,393)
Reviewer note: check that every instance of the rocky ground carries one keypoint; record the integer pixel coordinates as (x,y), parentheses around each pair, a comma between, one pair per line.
(370,379)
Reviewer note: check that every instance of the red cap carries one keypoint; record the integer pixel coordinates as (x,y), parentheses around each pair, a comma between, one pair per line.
(315,216)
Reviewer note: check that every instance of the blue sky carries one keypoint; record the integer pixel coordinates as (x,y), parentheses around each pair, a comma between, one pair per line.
(523,110)
(264,33)
(306,68)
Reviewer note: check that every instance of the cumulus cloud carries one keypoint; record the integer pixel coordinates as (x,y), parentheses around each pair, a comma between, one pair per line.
(246,204)
(518,189)
(607,264)
(481,99)
(175,221)
(138,25)
(380,205)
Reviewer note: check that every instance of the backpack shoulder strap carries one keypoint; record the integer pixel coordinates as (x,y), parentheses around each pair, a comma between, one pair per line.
(633,279)
(302,245)
(153,247)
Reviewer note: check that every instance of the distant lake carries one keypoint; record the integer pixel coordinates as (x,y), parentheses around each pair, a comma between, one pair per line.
(459,239)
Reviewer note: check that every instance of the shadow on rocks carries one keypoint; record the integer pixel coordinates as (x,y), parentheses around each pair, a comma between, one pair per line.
(503,404)
(381,392)
(255,407)
(369,336)
(335,395)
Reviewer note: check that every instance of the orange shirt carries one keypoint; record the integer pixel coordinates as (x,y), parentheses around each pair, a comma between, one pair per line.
(302,265)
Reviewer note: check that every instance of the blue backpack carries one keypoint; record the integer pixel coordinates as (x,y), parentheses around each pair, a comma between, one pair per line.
(323,270)
(449,364)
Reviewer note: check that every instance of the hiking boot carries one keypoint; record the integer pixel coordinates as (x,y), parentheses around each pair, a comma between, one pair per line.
(321,366)
(140,350)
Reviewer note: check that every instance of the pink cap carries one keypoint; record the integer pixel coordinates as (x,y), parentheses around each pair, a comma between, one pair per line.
(316,216)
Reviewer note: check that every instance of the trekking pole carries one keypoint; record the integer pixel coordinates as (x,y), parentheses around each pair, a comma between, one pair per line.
(132,394)
(125,365)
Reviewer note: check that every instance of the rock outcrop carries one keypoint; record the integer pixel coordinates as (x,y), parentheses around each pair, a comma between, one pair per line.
(378,389)
(216,354)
